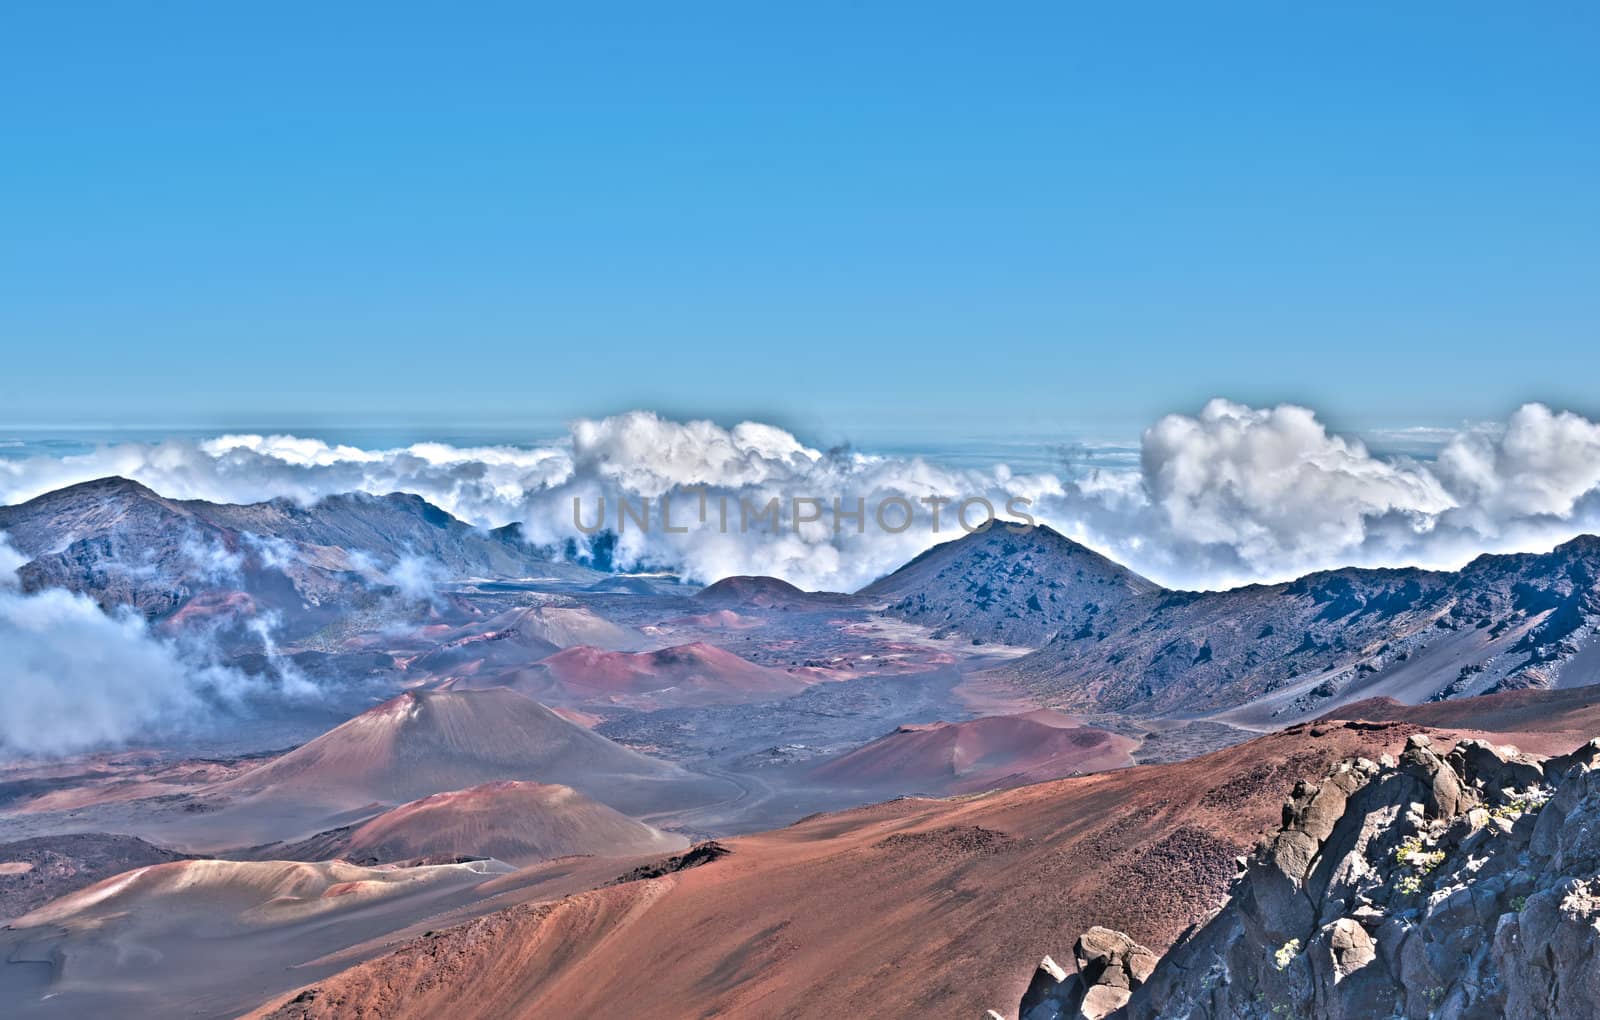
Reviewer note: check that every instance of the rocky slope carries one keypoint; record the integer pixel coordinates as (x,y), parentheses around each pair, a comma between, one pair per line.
(1460,883)
(1302,648)
(1015,588)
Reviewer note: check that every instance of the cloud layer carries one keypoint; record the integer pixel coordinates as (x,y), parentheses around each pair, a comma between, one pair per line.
(73,677)
(1228,495)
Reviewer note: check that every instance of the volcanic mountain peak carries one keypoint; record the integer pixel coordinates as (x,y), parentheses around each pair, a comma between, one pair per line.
(695,652)
(1014,587)
(564,626)
(753,590)
(697,672)
(979,754)
(57,518)
(514,821)
(426,742)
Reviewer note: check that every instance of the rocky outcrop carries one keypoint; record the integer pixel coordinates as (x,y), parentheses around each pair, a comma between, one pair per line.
(1110,966)
(1456,885)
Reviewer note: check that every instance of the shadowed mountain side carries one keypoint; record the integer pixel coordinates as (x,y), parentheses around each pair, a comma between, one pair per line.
(1454,882)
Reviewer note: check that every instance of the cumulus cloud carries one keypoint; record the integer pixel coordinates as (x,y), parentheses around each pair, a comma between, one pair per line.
(1541,465)
(1227,495)
(73,677)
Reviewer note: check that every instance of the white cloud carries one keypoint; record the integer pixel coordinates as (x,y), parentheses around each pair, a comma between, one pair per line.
(1540,465)
(1228,495)
(73,677)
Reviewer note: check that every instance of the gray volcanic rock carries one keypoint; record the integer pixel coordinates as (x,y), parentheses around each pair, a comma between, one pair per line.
(125,545)
(1017,588)
(35,871)
(1466,885)
(1303,648)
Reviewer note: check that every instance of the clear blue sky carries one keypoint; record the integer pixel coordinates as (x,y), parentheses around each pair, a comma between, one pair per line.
(916,215)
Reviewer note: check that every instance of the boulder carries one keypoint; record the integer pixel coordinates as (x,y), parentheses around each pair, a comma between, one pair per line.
(1441,885)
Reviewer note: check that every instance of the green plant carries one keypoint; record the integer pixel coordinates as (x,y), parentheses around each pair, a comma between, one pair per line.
(1286,953)
(1524,803)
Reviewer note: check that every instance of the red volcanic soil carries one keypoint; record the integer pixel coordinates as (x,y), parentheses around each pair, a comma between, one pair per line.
(909,908)
(516,822)
(717,619)
(981,754)
(427,742)
(698,674)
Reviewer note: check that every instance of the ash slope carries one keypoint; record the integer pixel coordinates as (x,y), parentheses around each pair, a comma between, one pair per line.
(35,871)
(516,822)
(427,742)
(987,753)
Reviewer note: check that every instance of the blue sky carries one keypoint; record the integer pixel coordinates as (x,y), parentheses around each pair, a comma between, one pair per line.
(891,218)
